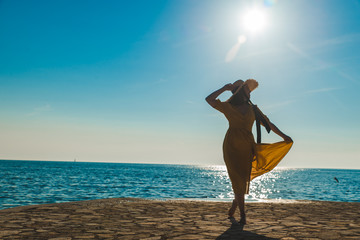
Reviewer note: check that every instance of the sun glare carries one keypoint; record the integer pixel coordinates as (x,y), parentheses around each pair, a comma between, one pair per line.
(254,20)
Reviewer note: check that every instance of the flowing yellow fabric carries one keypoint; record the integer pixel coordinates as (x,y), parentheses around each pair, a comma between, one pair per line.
(245,159)
(268,156)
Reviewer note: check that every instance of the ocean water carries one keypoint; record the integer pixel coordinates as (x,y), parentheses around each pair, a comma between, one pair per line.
(38,182)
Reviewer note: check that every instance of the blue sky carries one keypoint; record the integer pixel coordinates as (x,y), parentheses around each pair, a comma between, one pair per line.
(125,81)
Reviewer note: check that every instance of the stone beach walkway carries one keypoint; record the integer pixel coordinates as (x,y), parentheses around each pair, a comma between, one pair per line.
(124,218)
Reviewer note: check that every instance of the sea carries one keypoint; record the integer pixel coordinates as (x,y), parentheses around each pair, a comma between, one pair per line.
(41,182)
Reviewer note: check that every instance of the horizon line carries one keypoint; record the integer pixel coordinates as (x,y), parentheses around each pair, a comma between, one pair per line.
(147,163)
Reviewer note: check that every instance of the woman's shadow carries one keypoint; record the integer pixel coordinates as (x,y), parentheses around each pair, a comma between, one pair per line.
(237,232)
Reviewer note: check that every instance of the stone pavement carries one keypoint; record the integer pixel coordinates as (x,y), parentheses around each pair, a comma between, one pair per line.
(122,218)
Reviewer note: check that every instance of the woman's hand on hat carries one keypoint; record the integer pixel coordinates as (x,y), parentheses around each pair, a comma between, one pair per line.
(228,86)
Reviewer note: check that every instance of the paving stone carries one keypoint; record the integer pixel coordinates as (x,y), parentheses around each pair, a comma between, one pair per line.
(174,219)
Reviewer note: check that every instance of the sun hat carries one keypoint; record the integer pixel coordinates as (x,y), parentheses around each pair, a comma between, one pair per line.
(239,85)
(251,84)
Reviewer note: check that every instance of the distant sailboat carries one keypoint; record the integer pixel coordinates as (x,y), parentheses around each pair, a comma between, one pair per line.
(74,159)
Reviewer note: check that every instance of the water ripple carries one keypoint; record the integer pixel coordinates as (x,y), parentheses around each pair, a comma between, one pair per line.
(35,182)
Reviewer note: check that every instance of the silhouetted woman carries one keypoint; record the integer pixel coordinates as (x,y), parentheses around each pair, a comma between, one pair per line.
(244,158)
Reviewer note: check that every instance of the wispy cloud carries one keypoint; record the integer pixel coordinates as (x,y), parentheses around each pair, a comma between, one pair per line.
(347,76)
(149,83)
(297,50)
(40,109)
(319,65)
(322,90)
(159,81)
(191,41)
(295,98)
(348,38)
(333,97)
(278,104)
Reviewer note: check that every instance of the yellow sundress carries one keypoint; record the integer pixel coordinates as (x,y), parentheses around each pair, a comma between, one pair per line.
(244,158)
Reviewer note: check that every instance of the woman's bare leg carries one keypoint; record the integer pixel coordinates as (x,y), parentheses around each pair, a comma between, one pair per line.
(233,208)
(240,199)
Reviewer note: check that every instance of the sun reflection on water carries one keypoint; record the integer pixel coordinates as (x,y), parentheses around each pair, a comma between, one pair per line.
(26,183)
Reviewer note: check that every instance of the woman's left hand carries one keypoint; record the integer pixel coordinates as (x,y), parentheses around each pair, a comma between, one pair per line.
(287,139)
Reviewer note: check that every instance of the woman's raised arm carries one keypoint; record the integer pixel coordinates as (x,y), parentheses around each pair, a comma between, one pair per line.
(212,97)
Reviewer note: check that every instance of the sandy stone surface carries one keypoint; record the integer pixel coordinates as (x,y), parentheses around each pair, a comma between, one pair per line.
(121,218)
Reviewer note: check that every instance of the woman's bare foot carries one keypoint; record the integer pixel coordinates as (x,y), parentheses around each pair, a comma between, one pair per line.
(232,209)
(243,219)
(233,221)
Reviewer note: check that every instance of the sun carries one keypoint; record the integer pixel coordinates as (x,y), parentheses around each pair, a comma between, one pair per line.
(254,20)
